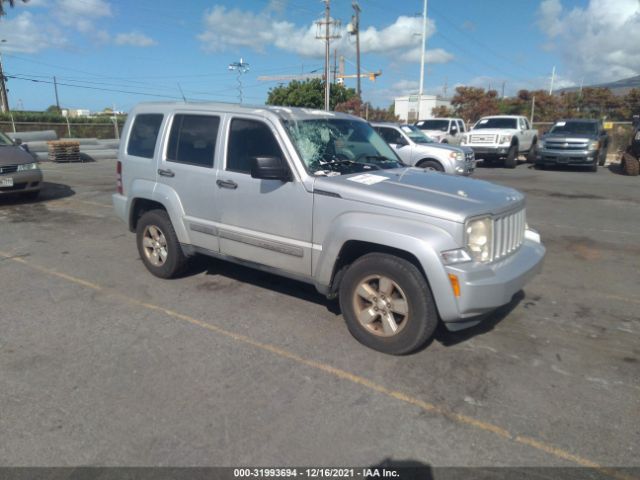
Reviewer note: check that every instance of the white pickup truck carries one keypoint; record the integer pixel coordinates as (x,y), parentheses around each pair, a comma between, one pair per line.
(502,137)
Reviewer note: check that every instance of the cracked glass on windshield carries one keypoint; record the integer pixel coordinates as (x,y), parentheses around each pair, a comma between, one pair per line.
(331,146)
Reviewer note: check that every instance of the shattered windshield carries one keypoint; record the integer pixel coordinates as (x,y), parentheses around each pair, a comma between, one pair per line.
(415,134)
(332,146)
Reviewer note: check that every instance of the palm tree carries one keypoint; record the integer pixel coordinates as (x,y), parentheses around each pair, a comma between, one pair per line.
(11,4)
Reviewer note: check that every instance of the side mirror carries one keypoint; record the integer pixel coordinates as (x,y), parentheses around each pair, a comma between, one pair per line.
(17,141)
(269,168)
(453,131)
(401,142)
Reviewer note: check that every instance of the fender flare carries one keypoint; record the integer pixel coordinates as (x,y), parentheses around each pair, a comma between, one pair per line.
(421,240)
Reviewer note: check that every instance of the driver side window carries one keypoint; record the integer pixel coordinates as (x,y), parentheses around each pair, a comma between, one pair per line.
(390,135)
(248,139)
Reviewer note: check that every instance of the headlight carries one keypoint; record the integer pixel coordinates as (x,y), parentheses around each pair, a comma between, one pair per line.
(479,235)
(505,138)
(594,145)
(458,156)
(540,144)
(465,139)
(27,166)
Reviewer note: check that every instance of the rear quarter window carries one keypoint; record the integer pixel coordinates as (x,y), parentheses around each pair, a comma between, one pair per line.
(144,134)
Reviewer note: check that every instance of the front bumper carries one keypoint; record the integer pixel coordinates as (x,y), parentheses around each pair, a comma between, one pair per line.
(566,157)
(23,182)
(486,287)
(489,151)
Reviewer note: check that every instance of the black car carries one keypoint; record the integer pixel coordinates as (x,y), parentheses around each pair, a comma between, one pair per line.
(574,142)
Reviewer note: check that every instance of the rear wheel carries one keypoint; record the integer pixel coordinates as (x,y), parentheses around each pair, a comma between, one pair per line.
(512,157)
(431,165)
(630,165)
(387,304)
(158,245)
(531,154)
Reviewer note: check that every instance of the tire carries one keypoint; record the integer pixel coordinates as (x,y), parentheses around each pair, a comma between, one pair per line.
(512,157)
(630,166)
(602,156)
(404,289)
(164,258)
(432,165)
(33,195)
(531,154)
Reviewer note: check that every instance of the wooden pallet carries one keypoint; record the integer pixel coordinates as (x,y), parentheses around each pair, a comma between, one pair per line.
(64,151)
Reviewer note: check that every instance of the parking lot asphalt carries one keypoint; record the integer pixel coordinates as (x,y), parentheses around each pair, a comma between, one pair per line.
(103,364)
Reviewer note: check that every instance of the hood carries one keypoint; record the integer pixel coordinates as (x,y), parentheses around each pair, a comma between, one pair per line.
(415,190)
(576,137)
(443,147)
(14,155)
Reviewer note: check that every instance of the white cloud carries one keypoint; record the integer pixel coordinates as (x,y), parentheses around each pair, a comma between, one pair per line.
(598,42)
(81,14)
(24,34)
(436,55)
(134,39)
(237,29)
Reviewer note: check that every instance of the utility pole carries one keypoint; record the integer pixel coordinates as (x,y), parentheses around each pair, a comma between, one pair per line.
(4,99)
(503,84)
(553,79)
(354,29)
(335,65)
(424,47)
(533,109)
(327,35)
(55,88)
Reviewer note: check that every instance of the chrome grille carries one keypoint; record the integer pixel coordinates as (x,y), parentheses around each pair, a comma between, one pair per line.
(508,233)
(551,145)
(8,169)
(483,138)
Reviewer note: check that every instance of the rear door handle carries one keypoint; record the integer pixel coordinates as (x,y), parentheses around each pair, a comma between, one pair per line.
(166,173)
(227,184)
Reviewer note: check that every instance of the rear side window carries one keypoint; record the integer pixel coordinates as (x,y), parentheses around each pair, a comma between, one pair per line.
(248,139)
(193,140)
(144,134)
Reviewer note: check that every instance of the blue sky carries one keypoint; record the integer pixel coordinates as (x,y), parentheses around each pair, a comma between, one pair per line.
(147,47)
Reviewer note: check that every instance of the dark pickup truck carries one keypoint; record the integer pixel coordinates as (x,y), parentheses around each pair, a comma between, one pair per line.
(574,142)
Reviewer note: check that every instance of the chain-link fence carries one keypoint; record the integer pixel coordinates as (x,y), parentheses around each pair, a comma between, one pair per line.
(105,130)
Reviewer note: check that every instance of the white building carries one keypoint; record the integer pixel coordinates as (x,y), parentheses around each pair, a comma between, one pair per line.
(407,107)
(76,112)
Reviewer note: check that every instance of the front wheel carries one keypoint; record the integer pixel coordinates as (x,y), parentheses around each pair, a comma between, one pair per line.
(512,157)
(159,246)
(387,304)
(602,157)
(432,166)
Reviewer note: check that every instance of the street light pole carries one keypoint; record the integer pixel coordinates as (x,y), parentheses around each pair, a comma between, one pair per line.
(422,57)
(4,99)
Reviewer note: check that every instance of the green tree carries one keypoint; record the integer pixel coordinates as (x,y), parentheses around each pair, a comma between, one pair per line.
(11,4)
(53,110)
(308,94)
(442,111)
(471,103)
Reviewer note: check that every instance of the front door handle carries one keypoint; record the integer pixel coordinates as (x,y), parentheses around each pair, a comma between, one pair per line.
(166,173)
(227,184)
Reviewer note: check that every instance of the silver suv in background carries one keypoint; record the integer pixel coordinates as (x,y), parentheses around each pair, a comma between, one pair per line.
(443,130)
(320,197)
(417,149)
